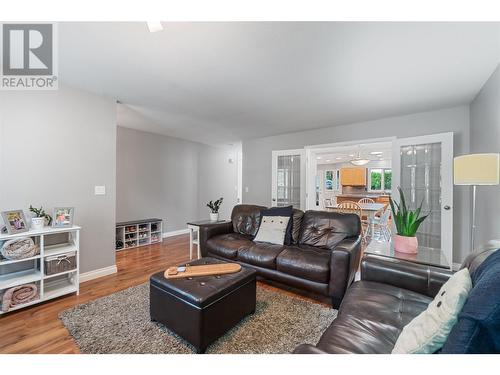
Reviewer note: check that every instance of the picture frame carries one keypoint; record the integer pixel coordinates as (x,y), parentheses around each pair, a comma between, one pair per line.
(63,217)
(15,221)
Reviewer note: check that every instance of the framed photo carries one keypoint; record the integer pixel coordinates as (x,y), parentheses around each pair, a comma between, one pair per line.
(15,221)
(63,217)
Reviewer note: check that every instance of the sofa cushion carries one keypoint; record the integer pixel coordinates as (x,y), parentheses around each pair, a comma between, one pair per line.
(327,229)
(261,254)
(371,317)
(296,224)
(282,212)
(246,219)
(306,262)
(478,326)
(228,245)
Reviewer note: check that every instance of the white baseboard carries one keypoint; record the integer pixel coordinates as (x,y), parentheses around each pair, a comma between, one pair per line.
(175,233)
(91,275)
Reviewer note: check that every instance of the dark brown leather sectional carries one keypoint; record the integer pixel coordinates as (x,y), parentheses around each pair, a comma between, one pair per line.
(375,309)
(323,257)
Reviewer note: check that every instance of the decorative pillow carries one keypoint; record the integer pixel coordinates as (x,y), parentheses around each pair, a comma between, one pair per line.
(272,229)
(428,332)
(284,212)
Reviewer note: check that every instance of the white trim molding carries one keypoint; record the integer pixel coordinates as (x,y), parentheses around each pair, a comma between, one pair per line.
(101,272)
(175,233)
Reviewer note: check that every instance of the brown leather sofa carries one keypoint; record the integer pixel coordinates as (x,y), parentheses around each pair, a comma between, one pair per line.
(323,257)
(375,309)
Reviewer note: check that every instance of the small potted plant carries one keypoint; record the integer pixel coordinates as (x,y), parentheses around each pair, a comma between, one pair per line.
(407,223)
(214,209)
(38,217)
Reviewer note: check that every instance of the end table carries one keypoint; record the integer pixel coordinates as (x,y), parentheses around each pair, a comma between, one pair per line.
(194,234)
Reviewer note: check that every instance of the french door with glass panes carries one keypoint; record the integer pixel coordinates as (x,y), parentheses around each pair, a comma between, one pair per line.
(288,178)
(422,166)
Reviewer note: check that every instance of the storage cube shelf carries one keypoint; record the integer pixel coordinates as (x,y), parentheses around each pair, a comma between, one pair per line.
(130,234)
(31,270)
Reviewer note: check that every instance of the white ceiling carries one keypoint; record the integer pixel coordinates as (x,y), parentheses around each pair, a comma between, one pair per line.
(373,151)
(223,82)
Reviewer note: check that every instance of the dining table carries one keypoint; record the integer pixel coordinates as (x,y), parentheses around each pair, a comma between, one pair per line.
(367,209)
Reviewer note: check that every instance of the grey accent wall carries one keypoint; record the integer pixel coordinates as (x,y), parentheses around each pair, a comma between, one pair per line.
(55,146)
(217,177)
(170,178)
(485,137)
(157,176)
(257,155)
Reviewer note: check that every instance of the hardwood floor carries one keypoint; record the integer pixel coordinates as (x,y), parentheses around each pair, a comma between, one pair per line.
(38,329)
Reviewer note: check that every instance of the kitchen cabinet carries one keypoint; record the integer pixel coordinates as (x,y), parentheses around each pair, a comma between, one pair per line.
(353,176)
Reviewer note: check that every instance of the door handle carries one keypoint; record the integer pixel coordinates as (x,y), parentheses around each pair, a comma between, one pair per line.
(447,208)
(274,199)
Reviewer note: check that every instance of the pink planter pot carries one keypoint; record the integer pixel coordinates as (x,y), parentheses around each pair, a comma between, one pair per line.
(408,245)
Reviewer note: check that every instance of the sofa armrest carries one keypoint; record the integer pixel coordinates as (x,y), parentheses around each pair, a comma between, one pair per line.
(308,349)
(208,231)
(344,263)
(403,274)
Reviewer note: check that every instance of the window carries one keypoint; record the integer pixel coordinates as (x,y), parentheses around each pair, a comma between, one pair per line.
(380,179)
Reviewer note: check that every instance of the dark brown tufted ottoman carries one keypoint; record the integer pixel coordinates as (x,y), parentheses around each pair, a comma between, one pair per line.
(202,309)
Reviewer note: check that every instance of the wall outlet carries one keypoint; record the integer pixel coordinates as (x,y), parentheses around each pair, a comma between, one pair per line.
(100,190)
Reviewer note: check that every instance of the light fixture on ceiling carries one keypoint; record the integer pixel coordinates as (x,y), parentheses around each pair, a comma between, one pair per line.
(359,161)
(154,26)
(376,153)
(338,158)
(327,160)
(318,158)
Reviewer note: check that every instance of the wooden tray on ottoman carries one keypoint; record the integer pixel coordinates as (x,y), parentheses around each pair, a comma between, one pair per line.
(201,309)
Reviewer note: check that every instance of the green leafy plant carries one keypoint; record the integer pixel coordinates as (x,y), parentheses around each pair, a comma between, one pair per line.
(40,212)
(215,206)
(407,221)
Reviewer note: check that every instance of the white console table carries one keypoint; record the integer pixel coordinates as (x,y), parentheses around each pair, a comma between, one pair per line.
(52,242)
(194,234)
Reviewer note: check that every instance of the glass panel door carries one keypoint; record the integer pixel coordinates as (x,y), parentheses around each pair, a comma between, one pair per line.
(421,184)
(422,167)
(288,178)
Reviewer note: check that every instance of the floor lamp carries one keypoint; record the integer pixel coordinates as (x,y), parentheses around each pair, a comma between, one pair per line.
(476,170)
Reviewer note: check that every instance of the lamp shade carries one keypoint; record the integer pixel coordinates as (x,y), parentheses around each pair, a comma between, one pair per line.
(476,169)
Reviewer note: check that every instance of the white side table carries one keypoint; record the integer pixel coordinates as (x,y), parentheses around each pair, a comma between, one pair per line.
(194,234)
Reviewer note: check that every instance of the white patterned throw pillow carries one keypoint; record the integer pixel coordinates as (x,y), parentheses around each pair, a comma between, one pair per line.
(272,229)
(428,332)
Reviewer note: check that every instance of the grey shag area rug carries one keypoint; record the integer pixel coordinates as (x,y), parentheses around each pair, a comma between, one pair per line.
(119,323)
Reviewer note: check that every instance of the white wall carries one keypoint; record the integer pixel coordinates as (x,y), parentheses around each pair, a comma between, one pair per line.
(157,176)
(218,177)
(485,137)
(173,179)
(257,154)
(54,147)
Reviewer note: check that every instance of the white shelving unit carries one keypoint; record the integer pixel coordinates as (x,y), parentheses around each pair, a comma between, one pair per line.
(52,242)
(138,233)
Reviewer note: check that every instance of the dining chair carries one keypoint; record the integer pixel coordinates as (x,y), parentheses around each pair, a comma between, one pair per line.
(381,226)
(366,200)
(328,202)
(364,219)
(349,207)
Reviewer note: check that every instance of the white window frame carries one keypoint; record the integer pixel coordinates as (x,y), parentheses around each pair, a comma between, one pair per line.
(383,189)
